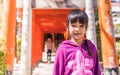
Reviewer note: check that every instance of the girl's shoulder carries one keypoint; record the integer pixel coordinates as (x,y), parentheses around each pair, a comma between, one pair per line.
(91,45)
(62,44)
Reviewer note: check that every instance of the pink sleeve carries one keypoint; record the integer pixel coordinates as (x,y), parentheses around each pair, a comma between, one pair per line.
(59,62)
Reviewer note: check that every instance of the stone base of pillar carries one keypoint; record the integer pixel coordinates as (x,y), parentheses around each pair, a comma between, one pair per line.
(111,71)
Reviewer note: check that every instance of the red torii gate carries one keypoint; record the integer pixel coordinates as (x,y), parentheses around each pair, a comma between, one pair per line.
(44,21)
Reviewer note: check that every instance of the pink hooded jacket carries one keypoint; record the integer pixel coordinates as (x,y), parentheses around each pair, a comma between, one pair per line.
(72,59)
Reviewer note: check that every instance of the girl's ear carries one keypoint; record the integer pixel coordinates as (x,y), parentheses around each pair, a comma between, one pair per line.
(68,34)
(67,29)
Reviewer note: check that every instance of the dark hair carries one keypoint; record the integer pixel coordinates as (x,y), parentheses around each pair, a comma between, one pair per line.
(75,15)
(78,15)
(87,47)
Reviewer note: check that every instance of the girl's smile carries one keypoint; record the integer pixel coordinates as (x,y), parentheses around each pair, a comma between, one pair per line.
(77,35)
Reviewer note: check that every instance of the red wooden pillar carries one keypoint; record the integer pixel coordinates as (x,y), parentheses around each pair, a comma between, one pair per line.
(9,29)
(33,55)
(110,61)
(37,40)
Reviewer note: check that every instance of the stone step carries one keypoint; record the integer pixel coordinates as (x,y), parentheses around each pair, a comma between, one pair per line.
(16,72)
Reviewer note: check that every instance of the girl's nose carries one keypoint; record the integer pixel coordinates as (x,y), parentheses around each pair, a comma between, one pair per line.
(77,28)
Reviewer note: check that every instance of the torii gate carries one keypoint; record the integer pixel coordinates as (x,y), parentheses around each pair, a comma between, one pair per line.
(110,61)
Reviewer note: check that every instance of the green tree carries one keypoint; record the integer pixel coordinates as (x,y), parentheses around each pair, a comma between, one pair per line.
(98,34)
(3,66)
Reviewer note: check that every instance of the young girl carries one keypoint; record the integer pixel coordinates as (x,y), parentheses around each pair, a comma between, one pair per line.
(77,55)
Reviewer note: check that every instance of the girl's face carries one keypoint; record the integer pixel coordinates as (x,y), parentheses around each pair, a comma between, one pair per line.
(77,30)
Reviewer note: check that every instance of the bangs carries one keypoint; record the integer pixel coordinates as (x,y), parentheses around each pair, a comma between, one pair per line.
(77,18)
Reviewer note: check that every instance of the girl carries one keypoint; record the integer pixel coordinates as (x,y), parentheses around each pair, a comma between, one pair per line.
(77,55)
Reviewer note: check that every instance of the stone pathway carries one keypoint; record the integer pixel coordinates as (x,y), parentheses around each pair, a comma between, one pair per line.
(43,67)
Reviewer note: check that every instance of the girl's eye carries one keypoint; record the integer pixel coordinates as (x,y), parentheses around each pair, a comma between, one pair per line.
(81,25)
(73,25)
